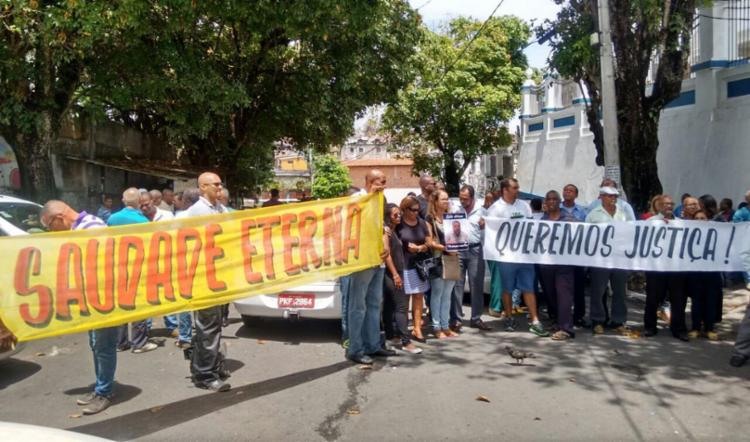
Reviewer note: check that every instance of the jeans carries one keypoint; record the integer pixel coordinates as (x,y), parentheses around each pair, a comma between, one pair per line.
(139,335)
(599,279)
(472,263)
(171,322)
(365,297)
(496,286)
(440,302)
(344,288)
(103,343)
(185,326)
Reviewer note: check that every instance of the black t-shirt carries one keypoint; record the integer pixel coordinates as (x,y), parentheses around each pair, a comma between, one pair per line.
(422,206)
(411,234)
(397,253)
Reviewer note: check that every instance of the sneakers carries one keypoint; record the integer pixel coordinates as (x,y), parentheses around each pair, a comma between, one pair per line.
(215,385)
(148,346)
(693,334)
(97,404)
(622,330)
(411,348)
(737,360)
(712,335)
(175,333)
(479,324)
(538,329)
(510,325)
(598,329)
(86,399)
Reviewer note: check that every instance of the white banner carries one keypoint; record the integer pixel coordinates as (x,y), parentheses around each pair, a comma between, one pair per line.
(643,245)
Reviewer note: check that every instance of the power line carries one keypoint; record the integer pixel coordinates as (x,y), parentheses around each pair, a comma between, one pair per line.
(423,5)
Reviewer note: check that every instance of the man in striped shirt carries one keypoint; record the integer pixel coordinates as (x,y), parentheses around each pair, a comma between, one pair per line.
(58,216)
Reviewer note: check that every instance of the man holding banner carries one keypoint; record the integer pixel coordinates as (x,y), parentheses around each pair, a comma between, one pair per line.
(365,299)
(207,362)
(608,211)
(516,275)
(58,216)
(131,214)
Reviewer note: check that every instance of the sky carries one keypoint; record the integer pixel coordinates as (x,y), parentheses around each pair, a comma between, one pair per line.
(437,12)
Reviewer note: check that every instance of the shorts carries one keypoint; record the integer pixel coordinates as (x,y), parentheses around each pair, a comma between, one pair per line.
(413,284)
(517,276)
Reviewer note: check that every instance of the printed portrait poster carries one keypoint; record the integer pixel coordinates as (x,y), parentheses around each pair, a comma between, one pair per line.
(456,228)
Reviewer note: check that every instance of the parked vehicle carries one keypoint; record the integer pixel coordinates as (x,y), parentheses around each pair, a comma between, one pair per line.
(318,300)
(18,217)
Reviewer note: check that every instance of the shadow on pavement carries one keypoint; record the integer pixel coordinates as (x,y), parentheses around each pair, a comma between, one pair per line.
(293,331)
(122,392)
(144,422)
(16,370)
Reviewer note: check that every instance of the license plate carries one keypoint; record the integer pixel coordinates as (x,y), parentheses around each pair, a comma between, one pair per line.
(297,300)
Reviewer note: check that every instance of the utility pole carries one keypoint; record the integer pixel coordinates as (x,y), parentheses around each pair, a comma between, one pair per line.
(609,101)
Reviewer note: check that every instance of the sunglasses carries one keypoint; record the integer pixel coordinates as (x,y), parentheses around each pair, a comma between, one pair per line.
(412,209)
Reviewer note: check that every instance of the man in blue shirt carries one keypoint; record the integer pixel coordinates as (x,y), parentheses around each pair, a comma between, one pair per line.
(131,214)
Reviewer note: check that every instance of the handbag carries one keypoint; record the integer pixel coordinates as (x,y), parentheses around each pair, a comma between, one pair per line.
(451,268)
(428,266)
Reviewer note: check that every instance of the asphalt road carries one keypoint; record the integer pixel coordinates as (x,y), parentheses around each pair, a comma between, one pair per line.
(291,382)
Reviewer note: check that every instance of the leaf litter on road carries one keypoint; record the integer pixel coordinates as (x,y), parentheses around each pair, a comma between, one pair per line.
(482,398)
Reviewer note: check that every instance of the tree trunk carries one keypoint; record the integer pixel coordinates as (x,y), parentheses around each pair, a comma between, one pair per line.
(639,141)
(35,164)
(451,176)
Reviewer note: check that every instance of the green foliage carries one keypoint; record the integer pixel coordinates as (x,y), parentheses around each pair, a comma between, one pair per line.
(222,80)
(467,87)
(330,177)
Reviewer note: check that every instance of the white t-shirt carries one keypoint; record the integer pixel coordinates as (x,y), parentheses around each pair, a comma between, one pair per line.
(503,210)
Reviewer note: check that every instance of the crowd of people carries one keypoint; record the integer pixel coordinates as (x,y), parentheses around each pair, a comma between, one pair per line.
(421,274)
(414,239)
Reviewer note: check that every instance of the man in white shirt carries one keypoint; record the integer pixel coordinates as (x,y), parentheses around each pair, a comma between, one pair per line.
(207,362)
(150,210)
(472,264)
(516,275)
(608,211)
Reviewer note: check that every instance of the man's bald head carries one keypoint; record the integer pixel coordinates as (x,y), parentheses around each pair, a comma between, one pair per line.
(131,197)
(427,184)
(375,181)
(210,185)
(57,215)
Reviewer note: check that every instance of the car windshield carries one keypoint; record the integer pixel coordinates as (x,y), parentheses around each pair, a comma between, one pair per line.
(22,215)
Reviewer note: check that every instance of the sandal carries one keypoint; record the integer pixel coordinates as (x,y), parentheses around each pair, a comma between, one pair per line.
(561,335)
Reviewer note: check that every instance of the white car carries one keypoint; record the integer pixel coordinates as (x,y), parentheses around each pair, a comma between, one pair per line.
(18,217)
(318,300)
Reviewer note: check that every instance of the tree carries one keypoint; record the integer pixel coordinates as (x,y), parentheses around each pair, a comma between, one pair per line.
(330,177)
(467,87)
(46,47)
(244,75)
(221,80)
(645,34)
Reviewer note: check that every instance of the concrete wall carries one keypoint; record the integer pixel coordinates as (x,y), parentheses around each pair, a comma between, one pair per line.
(703,134)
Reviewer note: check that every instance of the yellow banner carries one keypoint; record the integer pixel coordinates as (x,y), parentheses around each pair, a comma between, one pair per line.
(68,282)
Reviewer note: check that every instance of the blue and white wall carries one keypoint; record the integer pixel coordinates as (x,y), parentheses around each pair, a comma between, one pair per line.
(704,134)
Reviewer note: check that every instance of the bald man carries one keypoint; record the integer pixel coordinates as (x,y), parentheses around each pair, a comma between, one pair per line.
(57,216)
(427,184)
(207,361)
(365,298)
(131,213)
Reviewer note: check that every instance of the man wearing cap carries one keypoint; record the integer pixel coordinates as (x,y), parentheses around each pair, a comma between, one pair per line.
(609,211)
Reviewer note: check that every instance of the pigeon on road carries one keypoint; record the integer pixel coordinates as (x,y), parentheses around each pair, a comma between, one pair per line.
(518,355)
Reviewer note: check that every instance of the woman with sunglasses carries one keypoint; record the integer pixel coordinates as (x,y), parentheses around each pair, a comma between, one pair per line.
(414,239)
(395,301)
